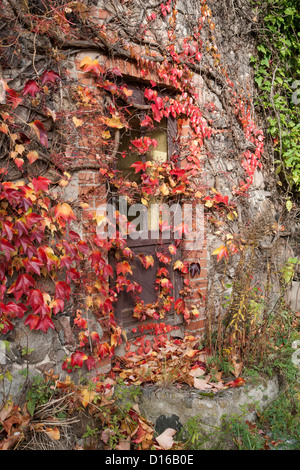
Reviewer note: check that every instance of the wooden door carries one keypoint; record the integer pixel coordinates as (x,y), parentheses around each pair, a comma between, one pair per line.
(165,134)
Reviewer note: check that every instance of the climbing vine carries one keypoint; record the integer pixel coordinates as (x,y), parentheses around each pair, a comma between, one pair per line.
(47,114)
(277,78)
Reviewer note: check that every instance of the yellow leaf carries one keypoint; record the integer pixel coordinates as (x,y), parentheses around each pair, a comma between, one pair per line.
(84,205)
(62,183)
(178,265)
(230,216)
(114,122)
(86,61)
(87,396)
(105,135)
(77,122)
(19,148)
(195,311)
(164,189)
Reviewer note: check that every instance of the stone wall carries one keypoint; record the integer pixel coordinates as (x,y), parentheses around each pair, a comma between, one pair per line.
(36,351)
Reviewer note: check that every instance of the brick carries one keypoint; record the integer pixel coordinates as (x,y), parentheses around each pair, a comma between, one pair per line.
(195,325)
(124,66)
(86,177)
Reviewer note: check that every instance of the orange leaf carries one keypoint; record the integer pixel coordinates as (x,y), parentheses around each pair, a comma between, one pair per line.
(114,122)
(32,156)
(64,212)
(53,433)
(220,252)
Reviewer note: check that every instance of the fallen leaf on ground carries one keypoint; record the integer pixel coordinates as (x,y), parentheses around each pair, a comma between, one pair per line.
(201,384)
(165,440)
(53,433)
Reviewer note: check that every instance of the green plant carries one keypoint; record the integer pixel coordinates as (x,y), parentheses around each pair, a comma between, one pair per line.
(90,432)
(38,393)
(277,67)
(126,396)
(195,435)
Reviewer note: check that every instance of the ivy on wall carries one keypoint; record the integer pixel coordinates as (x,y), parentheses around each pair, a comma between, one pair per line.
(277,74)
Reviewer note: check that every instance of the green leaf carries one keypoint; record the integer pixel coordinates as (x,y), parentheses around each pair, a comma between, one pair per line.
(31,407)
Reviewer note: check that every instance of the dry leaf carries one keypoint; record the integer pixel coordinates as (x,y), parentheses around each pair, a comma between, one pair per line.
(53,433)
(165,440)
(32,156)
(197,372)
(124,444)
(77,122)
(237,366)
(201,384)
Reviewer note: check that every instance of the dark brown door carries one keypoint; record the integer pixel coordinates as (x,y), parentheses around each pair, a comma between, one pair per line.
(165,135)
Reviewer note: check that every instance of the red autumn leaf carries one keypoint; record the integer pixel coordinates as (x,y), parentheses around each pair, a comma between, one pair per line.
(6,247)
(19,162)
(181,229)
(163,258)
(115,71)
(32,321)
(221,199)
(40,131)
(32,218)
(44,323)
(147,121)
(33,264)
(139,166)
(74,236)
(62,290)
(179,306)
(8,227)
(150,94)
(95,337)
(13,97)
(72,275)
(239,382)
(123,268)
(13,309)
(24,282)
(80,322)
(90,363)
(41,183)
(49,76)
(77,358)
(162,272)
(143,144)
(103,350)
(57,305)
(31,88)
(108,271)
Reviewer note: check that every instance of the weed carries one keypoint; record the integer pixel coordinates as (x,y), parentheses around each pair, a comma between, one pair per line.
(38,393)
